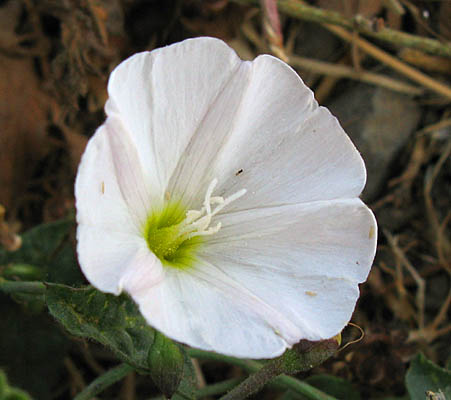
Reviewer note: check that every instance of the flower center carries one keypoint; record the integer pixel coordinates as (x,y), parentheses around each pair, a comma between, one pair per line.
(172,238)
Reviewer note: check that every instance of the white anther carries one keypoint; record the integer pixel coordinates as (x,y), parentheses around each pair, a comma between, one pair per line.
(229,200)
(192,215)
(203,223)
(209,231)
(217,200)
(197,222)
(207,202)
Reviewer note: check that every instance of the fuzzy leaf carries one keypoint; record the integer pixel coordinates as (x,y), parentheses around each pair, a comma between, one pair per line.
(187,387)
(166,362)
(425,376)
(112,321)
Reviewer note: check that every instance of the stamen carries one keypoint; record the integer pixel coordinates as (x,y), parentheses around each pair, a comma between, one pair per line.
(217,200)
(209,231)
(229,200)
(197,222)
(207,201)
(192,215)
(165,241)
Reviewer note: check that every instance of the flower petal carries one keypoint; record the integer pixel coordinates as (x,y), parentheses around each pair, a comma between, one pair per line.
(114,261)
(196,308)
(113,201)
(299,259)
(104,256)
(284,148)
(195,169)
(163,96)
(110,189)
(143,271)
(332,238)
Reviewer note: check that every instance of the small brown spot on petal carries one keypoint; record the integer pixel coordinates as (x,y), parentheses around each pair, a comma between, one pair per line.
(310,293)
(102,187)
(371,232)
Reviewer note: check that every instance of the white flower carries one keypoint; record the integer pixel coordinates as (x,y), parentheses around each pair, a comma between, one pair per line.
(224,200)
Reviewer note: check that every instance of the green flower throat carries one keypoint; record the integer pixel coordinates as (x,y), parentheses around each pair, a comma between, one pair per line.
(164,238)
(174,234)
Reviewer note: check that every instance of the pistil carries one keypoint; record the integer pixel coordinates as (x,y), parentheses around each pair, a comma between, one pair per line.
(166,241)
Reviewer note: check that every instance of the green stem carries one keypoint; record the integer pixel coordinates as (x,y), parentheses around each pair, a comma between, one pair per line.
(218,388)
(102,382)
(297,9)
(22,271)
(283,382)
(303,388)
(256,381)
(22,287)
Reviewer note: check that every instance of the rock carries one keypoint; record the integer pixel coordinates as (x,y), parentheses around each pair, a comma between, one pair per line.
(379,123)
(316,42)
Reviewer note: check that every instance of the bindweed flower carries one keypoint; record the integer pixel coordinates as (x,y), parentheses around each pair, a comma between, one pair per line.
(224,201)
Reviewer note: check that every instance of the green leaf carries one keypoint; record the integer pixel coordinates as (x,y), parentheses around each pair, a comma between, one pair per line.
(423,375)
(39,244)
(9,393)
(187,388)
(23,271)
(110,320)
(166,362)
(46,253)
(32,349)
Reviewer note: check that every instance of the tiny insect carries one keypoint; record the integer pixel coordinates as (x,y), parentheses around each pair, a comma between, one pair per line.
(238,172)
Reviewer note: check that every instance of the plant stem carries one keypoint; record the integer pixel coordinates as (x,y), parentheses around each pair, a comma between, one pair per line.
(330,23)
(255,382)
(393,62)
(251,366)
(22,287)
(360,24)
(218,388)
(302,388)
(103,381)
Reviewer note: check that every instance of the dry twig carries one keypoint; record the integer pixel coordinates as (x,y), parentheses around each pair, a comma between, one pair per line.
(358,23)
(442,243)
(420,296)
(394,63)
(343,71)
(298,9)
